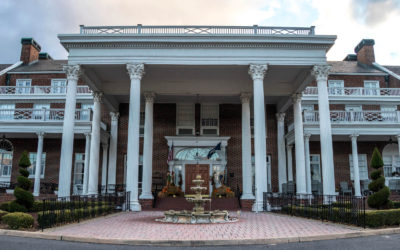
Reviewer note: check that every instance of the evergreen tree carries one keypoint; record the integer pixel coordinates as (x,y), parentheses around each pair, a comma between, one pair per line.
(380,196)
(24,198)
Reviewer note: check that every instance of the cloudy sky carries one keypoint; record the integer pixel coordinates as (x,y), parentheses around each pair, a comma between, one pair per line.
(350,20)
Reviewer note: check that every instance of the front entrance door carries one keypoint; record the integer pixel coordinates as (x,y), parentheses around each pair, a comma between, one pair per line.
(191,170)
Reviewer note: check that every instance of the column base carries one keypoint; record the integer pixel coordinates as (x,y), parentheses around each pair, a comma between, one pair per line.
(135,206)
(146,196)
(258,207)
(146,203)
(246,204)
(248,196)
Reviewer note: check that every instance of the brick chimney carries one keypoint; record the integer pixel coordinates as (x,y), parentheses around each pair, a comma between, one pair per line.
(30,50)
(365,51)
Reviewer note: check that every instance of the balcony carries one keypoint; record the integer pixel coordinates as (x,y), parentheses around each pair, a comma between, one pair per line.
(41,115)
(355,94)
(34,92)
(355,117)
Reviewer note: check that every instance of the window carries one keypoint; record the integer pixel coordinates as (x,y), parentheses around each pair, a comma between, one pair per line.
(315,167)
(185,118)
(32,167)
(85,112)
(7,111)
(79,170)
(209,119)
(58,86)
(336,87)
(268,177)
(41,111)
(362,166)
(23,86)
(371,88)
(141,128)
(6,155)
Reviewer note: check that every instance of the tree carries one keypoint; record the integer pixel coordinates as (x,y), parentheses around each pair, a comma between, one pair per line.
(24,198)
(380,197)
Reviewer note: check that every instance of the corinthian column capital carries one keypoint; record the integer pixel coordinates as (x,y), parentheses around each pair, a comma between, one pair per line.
(114,116)
(97,96)
(280,117)
(320,72)
(135,71)
(149,96)
(245,97)
(257,71)
(296,98)
(72,71)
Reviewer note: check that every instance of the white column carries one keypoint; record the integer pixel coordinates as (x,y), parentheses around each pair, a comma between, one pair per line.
(86,166)
(282,178)
(289,162)
(398,143)
(112,154)
(38,167)
(247,178)
(136,72)
(104,167)
(320,73)
(67,143)
(257,72)
(299,149)
(148,147)
(308,164)
(95,145)
(356,169)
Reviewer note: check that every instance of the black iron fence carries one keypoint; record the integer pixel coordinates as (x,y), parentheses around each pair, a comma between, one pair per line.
(345,209)
(59,211)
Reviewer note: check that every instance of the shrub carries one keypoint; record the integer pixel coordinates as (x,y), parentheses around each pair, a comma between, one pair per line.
(22,194)
(4,206)
(24,198)
(18,220)
(382,218)
(380,197)
(395,204)
(2,213)
(16,207)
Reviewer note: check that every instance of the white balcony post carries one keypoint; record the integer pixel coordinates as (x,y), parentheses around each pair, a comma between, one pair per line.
(67,143)
(95,145)
(86,166)
(112,157)
(299,149)
(38,167)
(308,165)
(356,169)
(289,149)
(282,178)
(247,178)
(148,147)
(257,72)
(398,143)
(136,72)
(104,168)
(320,73)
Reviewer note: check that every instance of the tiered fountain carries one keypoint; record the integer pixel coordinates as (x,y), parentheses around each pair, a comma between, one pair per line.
(198,215)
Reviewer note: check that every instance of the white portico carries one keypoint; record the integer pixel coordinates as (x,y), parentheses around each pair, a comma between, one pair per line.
(196,64)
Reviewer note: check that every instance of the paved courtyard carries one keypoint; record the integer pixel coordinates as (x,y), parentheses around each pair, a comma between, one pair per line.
(141,226)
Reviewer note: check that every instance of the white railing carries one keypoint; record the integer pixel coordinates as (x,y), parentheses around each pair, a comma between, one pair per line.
(42,115)
(197,30)
(354,91)
(357,117)
(42,90)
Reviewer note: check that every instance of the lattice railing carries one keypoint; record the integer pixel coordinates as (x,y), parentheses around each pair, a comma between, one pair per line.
(197,30)
(355,91)
(371,116)
(41,90)
(41,115)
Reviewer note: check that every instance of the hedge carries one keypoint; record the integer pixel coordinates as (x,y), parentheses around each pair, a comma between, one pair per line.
(18,220)
(380,218)
(2,213)
(53,205)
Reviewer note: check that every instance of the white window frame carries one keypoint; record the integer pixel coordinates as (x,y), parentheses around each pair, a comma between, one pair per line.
(22,86)
(317,163)
(31,168)
(2,165)
(192,125)
(212,116)
(58,86)
(368,90)
(78,187)
(362,166)
(338,86)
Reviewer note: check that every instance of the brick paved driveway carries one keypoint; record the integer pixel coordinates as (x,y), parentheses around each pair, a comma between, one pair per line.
(141,226)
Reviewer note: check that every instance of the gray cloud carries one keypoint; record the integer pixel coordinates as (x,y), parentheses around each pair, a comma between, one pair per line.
(374,12)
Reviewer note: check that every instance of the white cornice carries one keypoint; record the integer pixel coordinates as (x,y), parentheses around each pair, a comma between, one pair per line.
(10,67)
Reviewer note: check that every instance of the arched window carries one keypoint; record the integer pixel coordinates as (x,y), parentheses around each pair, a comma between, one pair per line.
(6,155)
(391,159)
(193,154)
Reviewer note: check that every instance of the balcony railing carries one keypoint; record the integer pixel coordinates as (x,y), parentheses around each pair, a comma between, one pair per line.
(196,30)
(38,115)
(354,91)
(355,117)
(42,90)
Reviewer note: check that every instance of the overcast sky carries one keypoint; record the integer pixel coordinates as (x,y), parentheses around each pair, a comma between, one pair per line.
(350,20)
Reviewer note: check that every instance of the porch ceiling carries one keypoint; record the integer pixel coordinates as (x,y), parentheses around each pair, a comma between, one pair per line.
(216,83)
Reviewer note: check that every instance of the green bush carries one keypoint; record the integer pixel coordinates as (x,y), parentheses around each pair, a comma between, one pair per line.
(4,206)
(24,198)
(18,220)
(14,206)
(380,218)
(395,204)
(380,197)
(2,213)
(22,194)
(24,182)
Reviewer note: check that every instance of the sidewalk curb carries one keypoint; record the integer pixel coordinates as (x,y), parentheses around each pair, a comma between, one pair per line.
(116,241)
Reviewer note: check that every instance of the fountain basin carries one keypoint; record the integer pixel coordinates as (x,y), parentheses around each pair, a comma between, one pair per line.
(188,217)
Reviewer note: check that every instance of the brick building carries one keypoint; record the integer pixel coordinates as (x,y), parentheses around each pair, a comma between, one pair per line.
(102,123)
